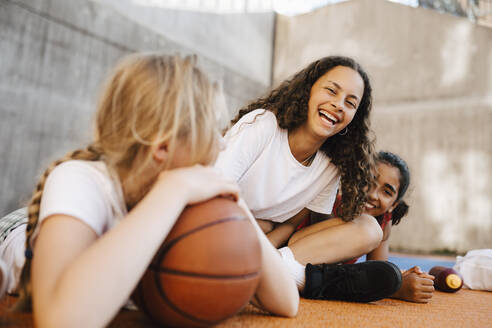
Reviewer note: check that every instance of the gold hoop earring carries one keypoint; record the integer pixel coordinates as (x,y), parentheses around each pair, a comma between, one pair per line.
(345,131)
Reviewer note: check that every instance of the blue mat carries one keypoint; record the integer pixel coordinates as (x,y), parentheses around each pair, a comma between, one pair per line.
(406,262)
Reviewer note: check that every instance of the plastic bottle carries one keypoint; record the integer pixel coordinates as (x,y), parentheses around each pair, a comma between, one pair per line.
(446,279)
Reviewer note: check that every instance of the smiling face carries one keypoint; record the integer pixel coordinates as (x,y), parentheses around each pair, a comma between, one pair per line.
(382,197)
(333,101)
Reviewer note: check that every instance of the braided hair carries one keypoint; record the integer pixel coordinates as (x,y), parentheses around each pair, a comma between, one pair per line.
(91,153)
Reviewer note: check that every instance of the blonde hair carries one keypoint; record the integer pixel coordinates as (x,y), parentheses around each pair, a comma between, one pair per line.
(149,99)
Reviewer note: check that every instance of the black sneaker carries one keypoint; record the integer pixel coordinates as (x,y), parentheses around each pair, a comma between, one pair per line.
(361,282)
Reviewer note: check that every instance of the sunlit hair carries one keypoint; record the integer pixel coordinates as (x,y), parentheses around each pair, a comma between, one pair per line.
(352,153)
(148,99)
(404,178)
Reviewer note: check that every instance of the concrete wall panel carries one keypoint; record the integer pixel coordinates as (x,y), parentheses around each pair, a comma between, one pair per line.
(449,152)
(412,54)
(240,41)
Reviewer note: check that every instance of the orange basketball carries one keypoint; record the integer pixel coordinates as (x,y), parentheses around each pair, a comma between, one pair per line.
(206,270)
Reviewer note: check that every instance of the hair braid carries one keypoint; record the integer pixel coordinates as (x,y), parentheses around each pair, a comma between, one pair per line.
(91,153)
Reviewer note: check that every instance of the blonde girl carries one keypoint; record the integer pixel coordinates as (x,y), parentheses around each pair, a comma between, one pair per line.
(99,214)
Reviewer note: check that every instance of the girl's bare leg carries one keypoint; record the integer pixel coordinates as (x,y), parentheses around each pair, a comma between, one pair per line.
(334,240)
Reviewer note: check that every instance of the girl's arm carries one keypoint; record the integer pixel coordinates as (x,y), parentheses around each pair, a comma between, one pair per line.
(265,225)
(281,233)
(81,281)
(277,292)
(381,252)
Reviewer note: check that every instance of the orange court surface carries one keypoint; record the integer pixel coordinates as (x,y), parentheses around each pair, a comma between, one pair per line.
(466,308)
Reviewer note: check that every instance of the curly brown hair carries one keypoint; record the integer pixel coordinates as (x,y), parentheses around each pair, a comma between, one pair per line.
(352,153)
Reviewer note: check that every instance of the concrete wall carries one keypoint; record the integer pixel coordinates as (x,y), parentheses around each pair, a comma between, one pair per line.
(240,42)
(432,79)
(54,55)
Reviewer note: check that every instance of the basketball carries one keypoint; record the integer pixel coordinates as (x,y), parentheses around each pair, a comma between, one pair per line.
(206,270)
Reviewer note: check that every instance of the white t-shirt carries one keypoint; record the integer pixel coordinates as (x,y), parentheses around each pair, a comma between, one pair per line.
(273,183)
(85,190)
(88,191)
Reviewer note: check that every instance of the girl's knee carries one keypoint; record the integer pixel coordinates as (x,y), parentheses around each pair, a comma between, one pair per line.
(370,230)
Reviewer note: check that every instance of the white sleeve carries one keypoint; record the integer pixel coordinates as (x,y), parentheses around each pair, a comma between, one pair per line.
(74,189)
(245,141)
(324,201)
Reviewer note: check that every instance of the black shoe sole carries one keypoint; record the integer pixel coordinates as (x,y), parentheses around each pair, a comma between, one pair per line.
(314,278)
(390,290)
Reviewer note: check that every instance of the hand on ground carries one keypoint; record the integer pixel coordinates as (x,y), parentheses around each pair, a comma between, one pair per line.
(417,286)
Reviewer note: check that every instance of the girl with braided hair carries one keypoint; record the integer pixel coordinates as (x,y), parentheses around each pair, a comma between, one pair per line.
(291,151)
(105,210)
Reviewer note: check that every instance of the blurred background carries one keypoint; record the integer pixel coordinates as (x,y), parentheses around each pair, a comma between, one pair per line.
(430,63)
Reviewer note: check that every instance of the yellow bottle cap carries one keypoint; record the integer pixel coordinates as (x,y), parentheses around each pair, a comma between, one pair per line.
(453,281)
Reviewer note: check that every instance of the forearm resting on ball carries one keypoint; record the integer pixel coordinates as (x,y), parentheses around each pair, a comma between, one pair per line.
(277,292)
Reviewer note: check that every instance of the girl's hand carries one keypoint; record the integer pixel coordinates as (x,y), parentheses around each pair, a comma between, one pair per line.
(417,286)
(199,183)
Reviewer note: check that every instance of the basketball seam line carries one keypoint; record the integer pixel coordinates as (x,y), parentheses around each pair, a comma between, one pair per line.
(175,240)
(201,275)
